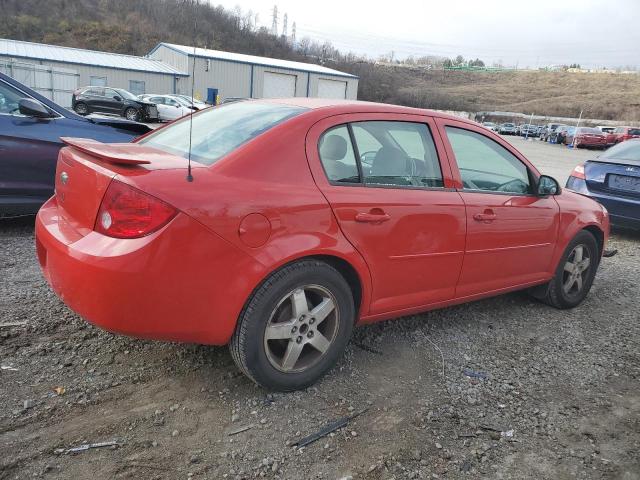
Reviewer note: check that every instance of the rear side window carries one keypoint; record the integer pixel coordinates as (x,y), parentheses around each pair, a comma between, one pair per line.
(486,165)
(220,130)
(385,153)
(337,155)
(403,154)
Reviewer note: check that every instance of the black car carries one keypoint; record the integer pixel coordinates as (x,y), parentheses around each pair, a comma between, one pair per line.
(87,100)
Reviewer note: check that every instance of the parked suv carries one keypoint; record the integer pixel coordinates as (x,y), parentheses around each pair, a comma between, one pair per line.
(626,133)
(507,129)
(548,130)
(117,101)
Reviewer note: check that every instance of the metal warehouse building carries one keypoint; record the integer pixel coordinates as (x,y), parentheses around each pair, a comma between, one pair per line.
(136,74)
(225,74)
(56,71)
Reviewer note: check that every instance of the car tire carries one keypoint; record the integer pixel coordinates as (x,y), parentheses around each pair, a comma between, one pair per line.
(565,291)
(81,109)
(132,114)
(287,336)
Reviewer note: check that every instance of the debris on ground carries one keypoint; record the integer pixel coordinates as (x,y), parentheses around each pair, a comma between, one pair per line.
(330,428)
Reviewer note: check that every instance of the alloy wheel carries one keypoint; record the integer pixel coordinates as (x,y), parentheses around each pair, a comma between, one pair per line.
(301,328)
(576,270)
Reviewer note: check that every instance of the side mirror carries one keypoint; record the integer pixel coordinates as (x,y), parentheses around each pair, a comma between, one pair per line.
(548,186)
(117,98)
(32,108)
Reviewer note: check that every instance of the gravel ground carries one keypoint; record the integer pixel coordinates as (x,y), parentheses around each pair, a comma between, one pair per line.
(501,388)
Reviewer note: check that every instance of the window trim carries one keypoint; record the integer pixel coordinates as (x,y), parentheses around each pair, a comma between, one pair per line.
(356,152)
(533,180)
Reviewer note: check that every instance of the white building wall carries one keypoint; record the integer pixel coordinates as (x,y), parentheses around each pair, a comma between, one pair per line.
(154,82)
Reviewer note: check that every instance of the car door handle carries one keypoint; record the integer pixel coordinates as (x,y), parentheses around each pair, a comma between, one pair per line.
(486,217)
(372,217)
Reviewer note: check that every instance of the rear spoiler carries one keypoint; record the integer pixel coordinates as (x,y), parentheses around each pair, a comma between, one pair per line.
(117,153)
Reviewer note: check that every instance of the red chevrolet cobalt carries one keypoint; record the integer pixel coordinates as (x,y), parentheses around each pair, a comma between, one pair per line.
(304,218)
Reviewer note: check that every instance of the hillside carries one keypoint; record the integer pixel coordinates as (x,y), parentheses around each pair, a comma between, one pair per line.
(135,26)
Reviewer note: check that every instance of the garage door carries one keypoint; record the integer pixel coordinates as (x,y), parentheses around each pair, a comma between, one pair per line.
(332,88)
(278,85)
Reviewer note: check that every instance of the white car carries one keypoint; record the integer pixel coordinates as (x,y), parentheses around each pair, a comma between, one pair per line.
(190,101)
(169,108)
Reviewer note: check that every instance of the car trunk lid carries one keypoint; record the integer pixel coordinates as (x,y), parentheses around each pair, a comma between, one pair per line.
(86,168)
(613,178)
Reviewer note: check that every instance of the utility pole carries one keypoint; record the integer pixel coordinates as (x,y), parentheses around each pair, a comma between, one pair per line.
(285,20)
(274,24)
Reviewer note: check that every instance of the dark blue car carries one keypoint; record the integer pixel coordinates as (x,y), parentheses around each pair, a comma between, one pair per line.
(613,179)
(30,130)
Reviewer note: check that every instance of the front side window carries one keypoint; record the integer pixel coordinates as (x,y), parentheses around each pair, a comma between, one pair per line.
(111,94)
(486,165)
(218,131)
(337,155)
(9,98)
(397,153)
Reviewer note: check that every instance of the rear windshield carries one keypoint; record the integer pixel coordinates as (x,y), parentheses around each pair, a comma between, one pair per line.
(220,130)
(624,151)
(589,130)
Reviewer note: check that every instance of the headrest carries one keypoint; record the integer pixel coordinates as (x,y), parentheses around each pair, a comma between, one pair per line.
(333,147)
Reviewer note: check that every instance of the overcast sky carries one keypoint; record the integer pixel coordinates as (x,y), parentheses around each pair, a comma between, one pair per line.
(528,33)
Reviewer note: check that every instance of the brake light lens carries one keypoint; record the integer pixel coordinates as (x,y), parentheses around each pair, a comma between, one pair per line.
(126,212)
(578,172)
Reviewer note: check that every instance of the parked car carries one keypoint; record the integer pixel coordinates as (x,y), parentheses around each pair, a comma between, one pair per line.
(559,135)
(199,105)
(30,130)
(549,130)
(117,101)
(610,137)
(527,130)
(625,133)
(507,129)
(305,218)
(613,179)
(169,107)
(586,137)
(489,125)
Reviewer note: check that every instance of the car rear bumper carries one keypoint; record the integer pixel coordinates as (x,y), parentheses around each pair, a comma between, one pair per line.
(174,284)
(623,212)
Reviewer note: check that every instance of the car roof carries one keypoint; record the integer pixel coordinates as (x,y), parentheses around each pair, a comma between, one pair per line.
(337,106)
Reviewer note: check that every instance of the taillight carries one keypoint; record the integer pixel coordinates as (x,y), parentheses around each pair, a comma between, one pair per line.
(126,212)
(578,172)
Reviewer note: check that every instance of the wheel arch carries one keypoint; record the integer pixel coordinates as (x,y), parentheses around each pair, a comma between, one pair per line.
(599,236)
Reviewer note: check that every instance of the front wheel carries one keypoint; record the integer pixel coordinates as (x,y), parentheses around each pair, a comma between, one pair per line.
(132,114)
(574,275)
(81,109)
(294,327)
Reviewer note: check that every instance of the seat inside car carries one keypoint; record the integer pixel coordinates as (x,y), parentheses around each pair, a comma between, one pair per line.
(392,165)
(333,149)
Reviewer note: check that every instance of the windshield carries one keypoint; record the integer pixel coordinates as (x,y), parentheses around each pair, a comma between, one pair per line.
(220,130)
(125,94)
(634,131)
(181,101)
(629,150)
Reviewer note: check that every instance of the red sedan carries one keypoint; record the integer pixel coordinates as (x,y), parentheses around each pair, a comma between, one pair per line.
(304,218)
(587,137)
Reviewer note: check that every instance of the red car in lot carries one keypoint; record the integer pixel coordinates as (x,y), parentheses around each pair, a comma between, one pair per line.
(304,218)
(586,137)
(625,133)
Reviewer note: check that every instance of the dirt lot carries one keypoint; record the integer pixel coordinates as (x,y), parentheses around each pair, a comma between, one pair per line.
(504,388)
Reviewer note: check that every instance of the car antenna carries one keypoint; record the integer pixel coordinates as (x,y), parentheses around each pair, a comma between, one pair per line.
(193,81)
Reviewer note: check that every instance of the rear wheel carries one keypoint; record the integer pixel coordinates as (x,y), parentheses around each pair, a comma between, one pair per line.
(81,109)
(574,275)
(294,327)
(132,114)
